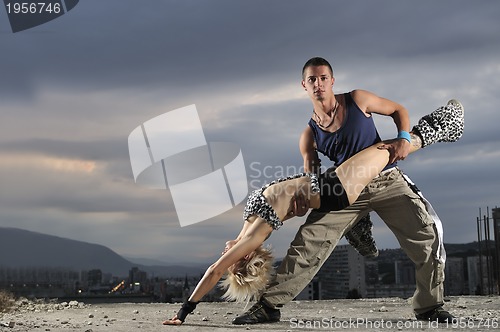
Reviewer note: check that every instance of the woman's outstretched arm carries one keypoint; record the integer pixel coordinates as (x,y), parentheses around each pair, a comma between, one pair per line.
(255,234)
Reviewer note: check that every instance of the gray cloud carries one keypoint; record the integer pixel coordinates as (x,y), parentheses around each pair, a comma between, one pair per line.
(73,89)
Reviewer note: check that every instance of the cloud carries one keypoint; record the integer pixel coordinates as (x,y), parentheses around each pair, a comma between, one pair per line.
(73,89)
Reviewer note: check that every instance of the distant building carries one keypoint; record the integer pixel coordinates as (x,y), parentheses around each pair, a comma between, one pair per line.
(186,290)
(39,281)
(454,282)
(371,272)
(312,291)
(137,279)
(474,275)
(393,290)
(94,277)
(478,269)
(496,232)
(403,284)
(404,272)
(342,272)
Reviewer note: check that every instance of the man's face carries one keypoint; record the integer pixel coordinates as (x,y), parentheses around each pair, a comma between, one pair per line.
(318,82)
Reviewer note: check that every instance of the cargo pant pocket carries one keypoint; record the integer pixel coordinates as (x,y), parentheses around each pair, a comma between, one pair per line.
(438,272)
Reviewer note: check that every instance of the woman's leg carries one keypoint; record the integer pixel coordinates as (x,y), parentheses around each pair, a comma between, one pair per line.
(356,172)
(446,124)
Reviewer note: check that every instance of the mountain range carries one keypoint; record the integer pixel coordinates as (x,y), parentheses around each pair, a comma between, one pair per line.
(21,248)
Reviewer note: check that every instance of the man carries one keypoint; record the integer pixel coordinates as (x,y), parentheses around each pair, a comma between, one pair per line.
(340,126)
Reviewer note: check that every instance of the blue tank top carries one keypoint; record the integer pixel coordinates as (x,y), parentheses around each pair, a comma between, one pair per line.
(355,134)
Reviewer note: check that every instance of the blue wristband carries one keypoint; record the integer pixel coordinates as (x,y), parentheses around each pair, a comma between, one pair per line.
(404,135)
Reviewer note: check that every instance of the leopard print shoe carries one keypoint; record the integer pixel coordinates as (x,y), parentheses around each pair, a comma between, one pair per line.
(446,124)
(360,236)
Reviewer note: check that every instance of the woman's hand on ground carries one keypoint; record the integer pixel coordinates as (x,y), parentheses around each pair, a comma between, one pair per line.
(173,321)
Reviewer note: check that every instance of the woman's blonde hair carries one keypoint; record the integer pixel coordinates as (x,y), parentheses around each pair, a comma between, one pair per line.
(248,277)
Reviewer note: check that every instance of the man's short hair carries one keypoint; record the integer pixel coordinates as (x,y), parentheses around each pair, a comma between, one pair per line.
(316,62)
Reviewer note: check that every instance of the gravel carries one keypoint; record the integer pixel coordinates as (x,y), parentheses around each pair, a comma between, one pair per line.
(473,313)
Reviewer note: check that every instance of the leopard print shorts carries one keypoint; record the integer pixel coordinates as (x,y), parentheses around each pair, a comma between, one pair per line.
(258,205)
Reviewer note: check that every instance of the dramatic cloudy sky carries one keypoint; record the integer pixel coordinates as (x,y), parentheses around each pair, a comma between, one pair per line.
(72,90)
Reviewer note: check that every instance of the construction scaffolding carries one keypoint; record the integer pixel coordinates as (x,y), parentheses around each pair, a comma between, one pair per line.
(489,251)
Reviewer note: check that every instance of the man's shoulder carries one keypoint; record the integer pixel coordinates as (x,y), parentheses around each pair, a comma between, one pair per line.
(360,93)
(363,98)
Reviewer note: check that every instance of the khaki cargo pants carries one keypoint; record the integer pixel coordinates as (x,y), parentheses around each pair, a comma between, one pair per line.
(404,212)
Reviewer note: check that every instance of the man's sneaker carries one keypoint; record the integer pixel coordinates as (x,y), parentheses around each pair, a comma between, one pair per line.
(446,124)
(258,313)
(438,314)
(360,236)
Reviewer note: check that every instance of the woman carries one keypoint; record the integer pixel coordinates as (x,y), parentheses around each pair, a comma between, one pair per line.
(248,264)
